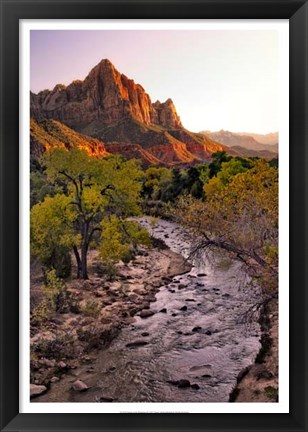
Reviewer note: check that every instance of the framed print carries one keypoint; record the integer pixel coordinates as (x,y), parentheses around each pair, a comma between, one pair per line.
(153,215)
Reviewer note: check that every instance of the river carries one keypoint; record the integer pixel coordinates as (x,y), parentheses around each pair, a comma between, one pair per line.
(198,333)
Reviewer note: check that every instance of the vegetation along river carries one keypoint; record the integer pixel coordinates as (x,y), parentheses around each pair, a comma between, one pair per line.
(193,347)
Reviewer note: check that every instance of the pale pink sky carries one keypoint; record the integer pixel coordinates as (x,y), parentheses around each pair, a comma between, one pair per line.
(218,79)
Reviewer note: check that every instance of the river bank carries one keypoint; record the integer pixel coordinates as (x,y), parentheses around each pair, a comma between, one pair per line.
(68,343)
(259,381)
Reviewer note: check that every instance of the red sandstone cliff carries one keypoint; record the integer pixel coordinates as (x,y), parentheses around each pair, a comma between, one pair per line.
(105,96)
(115,110)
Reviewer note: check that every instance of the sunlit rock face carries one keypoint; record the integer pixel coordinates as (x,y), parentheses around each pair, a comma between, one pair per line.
(48,134)
(166,115)
(106,96)
(118,113)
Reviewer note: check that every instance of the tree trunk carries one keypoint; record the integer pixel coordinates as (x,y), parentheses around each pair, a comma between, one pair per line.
(78,261)
(84,250)
(84,265)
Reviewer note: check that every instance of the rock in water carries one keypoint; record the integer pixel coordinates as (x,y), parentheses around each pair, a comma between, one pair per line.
(137,343)
(36,390)
(183,383)
(173,382)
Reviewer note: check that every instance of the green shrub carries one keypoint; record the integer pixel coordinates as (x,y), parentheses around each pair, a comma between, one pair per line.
(62,346)
(66,303)
(60,260)
(91,308)
(111,270)
(127,257)
(42,312)
(95,336)
(56,299)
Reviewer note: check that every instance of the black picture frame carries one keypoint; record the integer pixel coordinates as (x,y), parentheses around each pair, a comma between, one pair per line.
(14,10)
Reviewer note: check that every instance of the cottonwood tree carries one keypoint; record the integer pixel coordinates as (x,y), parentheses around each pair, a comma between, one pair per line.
(95,191)
(52,232)
(241,217)
(156,179)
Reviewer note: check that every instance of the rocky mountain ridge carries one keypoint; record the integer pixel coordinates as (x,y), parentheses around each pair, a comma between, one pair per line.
(48,134)
(105,96)
(115,110)
(249,141)
(271,138)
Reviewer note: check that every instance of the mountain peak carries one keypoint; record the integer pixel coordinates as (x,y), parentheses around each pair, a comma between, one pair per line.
(105,64)
(102,68)
(59,88)
(111,107)
(105,97)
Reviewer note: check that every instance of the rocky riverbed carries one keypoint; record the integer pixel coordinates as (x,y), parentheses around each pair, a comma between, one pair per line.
(187,343)
(70,341)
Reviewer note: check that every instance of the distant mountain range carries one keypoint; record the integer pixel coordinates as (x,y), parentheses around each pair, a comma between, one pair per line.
(248,144)
(109,113)
(270,138)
